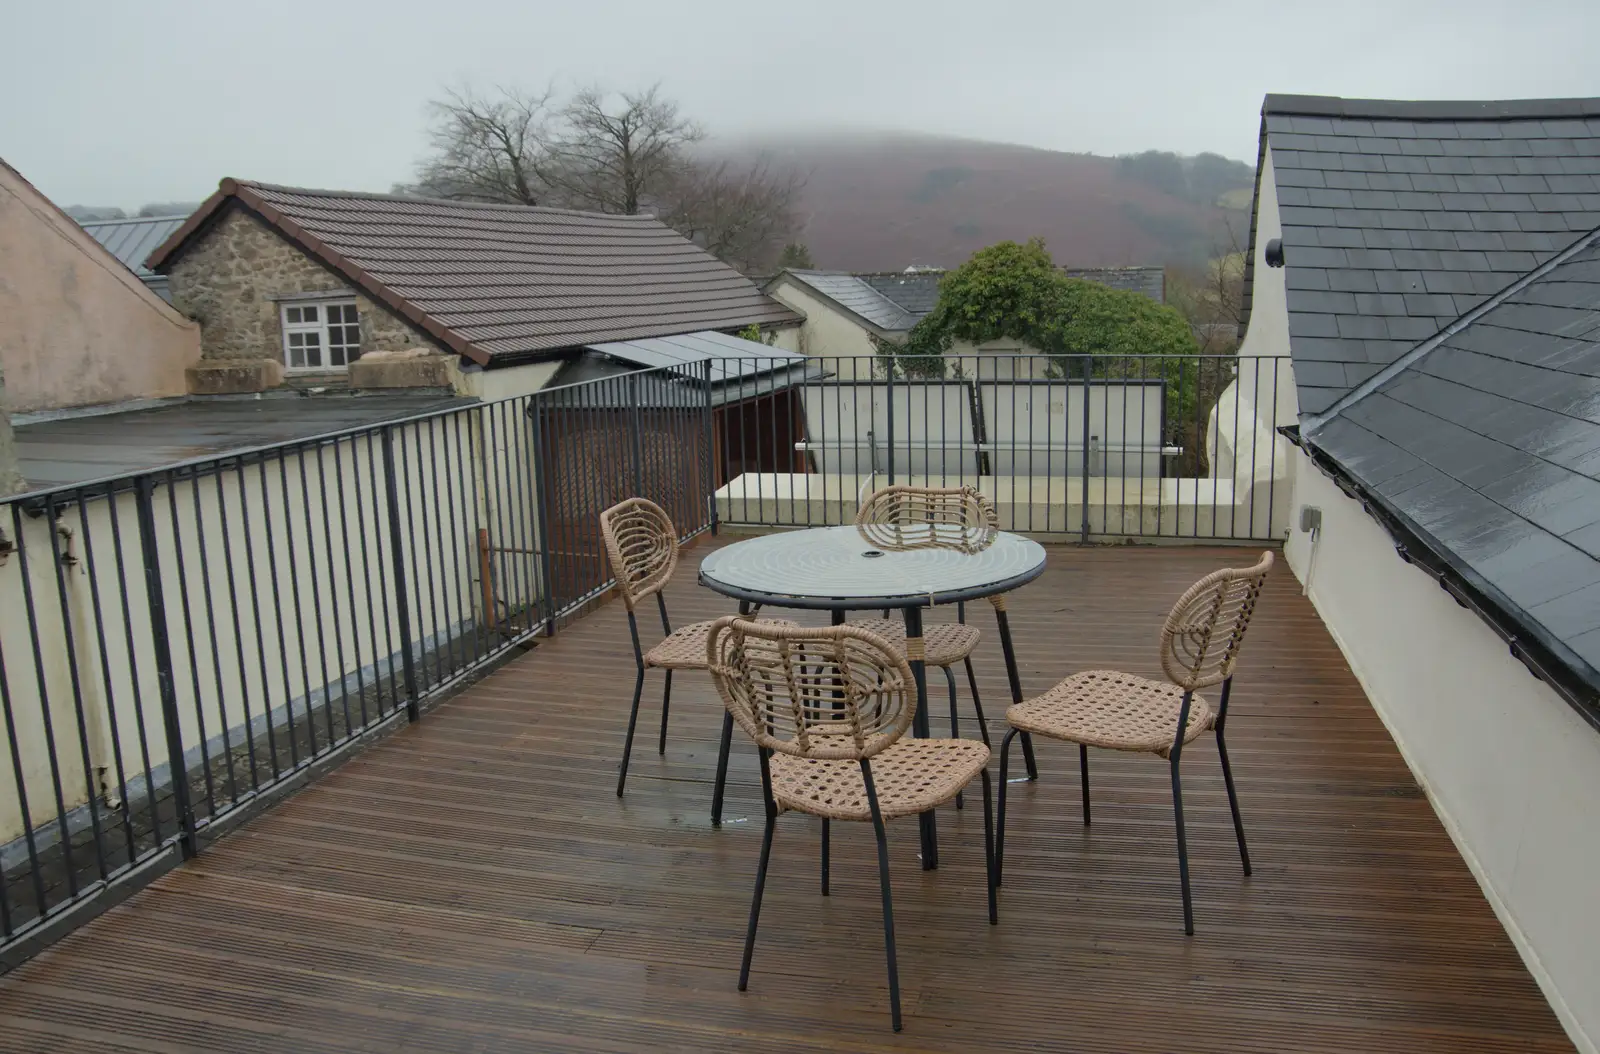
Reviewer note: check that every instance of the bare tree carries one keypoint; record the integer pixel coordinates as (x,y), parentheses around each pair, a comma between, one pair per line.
(618,153)
(607,152)
(1211,297)
(488,148)
(743,217)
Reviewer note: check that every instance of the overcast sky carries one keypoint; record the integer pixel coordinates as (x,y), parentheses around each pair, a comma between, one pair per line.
(118,103)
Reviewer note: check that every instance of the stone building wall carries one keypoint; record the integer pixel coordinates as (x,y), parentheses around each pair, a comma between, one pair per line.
(227,281)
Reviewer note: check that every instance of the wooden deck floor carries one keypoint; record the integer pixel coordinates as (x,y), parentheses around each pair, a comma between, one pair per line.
(473,884)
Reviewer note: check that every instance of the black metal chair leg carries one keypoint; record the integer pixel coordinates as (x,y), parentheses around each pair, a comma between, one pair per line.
(666,704)
(824,856)
(1083,771)
(721,783)
(955,721)
(888,903)
(988,847)
(633,721)
(1183,849)
(755,903)
(977,704)
(1233,802)
(1000,811)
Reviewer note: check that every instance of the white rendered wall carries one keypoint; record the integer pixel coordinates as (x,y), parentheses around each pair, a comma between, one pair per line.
(1511,769)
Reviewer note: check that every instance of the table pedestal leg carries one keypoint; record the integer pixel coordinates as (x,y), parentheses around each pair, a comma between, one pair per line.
(915,655)
(999,603)
(723,749)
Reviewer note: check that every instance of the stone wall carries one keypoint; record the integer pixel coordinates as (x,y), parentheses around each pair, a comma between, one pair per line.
(227,281)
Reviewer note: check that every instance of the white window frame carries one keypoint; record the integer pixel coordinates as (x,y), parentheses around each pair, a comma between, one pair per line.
(295,324)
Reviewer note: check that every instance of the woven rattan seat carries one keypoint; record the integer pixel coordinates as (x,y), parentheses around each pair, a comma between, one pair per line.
(829,710)
(945,643)
(912,776)
(685,649)
(642,547)
(1200,642)
(1114,710)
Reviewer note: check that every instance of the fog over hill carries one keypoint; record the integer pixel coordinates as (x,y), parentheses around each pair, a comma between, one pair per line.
(883,201)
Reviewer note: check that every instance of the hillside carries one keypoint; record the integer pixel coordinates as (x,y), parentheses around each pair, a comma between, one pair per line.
(884,201)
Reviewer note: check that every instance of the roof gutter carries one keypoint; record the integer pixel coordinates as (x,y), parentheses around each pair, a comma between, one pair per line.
(1545,658)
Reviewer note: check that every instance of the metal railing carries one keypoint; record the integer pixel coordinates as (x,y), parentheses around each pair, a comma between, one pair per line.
(183,644)
(1075,445)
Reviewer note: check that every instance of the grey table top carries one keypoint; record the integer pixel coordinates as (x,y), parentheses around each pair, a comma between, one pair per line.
(838,568)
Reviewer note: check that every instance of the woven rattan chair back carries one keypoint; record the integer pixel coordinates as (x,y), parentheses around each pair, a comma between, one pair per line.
(642,545)
(1201,637)
(905,517)
(835,693)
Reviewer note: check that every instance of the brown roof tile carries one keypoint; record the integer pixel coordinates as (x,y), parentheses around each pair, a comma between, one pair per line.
(503,280)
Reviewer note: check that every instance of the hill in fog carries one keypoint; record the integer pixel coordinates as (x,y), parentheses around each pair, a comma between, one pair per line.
(884,201)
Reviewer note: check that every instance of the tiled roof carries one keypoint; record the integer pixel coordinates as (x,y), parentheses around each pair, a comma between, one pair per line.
(493,281)
(852,293)
(1398,217)
(1487,443)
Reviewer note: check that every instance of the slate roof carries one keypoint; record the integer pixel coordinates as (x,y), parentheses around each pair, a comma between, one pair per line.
(499,282)
(1398,217)
(852,293)
(915,291)
(1150,281)
(895,301)
(1487,443)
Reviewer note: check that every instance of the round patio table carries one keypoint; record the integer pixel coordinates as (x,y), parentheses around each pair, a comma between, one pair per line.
(842,569)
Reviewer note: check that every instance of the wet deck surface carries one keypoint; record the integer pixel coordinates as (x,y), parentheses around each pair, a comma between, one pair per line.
(473,884)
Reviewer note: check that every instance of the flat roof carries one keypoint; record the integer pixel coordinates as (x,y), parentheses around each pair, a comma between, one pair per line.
(71,450)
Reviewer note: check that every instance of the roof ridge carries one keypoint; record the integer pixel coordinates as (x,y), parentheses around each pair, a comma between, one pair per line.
(136,219)
(1421,351)
(1428,110)
(491,206)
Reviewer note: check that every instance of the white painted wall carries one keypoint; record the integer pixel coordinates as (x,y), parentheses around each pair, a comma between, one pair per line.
(828,330)
(1511,770)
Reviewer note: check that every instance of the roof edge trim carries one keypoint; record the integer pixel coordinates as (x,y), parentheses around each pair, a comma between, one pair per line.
(1566,675)
(1410,358)
(1427,110)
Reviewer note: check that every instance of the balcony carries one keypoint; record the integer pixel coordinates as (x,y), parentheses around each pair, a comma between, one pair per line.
(471,882)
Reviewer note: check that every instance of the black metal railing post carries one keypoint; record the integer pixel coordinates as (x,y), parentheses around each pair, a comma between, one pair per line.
(637,427)
(402,602)
(541,486)
(888,408)
(710,458)
(161,649)
(1083,456)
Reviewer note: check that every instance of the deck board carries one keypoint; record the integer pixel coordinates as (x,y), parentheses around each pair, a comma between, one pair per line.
(473,884)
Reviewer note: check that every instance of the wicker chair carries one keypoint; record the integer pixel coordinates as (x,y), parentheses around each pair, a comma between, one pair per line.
(828,709)
(903,517)
(1103,708)
(642,545)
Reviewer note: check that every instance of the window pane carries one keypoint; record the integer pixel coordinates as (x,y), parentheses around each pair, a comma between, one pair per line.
(310,313)
(352,335)
(335,355)
(297,356)
(349,312)
(292,314)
